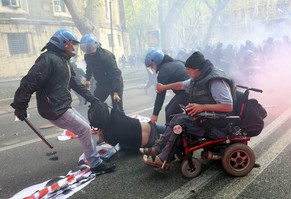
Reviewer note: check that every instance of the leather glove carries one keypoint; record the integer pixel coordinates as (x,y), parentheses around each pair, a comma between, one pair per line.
(21,114)
(116,97)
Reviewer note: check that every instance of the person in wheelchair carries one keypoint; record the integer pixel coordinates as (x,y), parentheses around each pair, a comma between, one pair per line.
(209,90)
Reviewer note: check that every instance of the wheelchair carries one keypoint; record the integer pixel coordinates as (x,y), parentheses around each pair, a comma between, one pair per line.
(237,158)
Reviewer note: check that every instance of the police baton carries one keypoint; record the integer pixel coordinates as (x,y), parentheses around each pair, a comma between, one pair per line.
(37,133)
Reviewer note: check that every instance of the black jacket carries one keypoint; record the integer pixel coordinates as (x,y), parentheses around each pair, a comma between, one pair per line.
(51,78)
(169,72)
(102,65)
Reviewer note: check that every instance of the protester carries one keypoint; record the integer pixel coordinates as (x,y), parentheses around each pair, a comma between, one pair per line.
(116,127)
(169,71)
(209,90)
(51,78)
(101,63)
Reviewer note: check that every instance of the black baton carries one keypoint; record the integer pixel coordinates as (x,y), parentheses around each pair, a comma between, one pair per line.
(37,133)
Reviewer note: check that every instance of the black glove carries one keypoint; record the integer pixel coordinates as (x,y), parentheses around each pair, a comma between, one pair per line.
(21,114)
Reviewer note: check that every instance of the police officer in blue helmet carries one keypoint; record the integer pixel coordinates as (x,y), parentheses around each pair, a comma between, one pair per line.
(51,77)
(101,64)
(168,71)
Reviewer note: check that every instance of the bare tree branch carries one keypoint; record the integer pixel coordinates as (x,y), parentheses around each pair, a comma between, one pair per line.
(171,18)
(83,24)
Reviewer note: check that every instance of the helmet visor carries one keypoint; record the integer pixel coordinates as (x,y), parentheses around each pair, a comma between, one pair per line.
(89,47)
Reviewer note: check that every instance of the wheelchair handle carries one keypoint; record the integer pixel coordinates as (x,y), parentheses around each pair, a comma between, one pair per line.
(250,89)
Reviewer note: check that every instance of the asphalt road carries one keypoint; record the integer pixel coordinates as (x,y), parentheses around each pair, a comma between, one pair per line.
(24,162)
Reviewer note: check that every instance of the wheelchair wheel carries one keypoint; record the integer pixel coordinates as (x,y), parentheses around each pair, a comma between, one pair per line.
(238,159)
(191,169)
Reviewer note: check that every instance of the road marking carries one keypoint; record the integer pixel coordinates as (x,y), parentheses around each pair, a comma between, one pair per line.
(237,185)
(27,142)
(192,187)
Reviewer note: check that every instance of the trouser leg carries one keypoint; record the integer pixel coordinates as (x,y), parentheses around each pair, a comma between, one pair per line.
(76,123)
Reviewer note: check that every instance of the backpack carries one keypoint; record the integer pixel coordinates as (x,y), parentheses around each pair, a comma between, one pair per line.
(252,117)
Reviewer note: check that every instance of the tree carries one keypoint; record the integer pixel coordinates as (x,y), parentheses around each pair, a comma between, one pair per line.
(167,24)
(84,25)
(186,27)
(141,17)
(216,10)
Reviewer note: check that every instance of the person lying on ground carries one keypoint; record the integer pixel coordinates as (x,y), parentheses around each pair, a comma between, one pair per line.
(115,127)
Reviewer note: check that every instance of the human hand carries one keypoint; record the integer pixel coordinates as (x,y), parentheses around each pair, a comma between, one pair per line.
(87,84)
(154,118)
(99,133)
(193,109)
(21,114)
(116,97)
(160,87)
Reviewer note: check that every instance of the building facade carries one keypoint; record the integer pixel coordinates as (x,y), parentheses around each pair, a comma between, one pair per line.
(27,25)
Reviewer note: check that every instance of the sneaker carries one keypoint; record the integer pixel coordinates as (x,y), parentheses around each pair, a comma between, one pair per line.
(104,167)
(149,151)
(155,161)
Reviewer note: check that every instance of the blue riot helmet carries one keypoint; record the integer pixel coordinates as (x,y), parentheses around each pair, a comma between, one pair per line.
(65,40)
(89,43)
(154,57)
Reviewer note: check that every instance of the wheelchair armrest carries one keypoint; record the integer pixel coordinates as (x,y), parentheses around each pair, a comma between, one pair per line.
(213,115)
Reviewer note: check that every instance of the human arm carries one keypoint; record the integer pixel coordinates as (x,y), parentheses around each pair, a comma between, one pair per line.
(81,89)
(159,101)
(31,82)
(174,86)
(162,78)
(193,108)
(89,72)
(112,71)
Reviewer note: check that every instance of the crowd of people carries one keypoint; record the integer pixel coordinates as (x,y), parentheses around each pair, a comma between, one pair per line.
(246,61)
(194,77)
